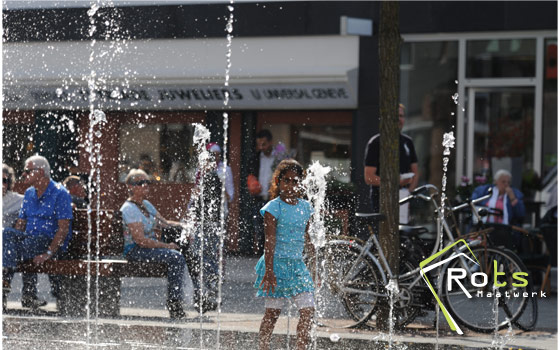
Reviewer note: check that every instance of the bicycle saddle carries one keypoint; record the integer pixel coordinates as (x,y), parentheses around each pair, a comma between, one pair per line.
(408,230)
(370,218)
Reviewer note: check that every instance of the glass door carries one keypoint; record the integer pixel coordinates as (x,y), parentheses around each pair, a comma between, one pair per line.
(500,131)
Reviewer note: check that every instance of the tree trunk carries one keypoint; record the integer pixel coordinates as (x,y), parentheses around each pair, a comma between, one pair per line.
(389,58)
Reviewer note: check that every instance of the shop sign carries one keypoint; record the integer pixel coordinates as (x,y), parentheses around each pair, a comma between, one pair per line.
(273,96)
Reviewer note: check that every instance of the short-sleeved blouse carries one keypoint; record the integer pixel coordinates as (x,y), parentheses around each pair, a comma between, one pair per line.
(132,214)
(291,221)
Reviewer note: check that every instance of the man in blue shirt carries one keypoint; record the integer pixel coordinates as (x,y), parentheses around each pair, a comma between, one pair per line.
(43,229)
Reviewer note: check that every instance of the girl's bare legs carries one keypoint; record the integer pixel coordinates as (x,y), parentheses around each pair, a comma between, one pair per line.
(267,326)
(304,327)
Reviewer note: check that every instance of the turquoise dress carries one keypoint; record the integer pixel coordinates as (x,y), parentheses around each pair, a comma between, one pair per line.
(292,276)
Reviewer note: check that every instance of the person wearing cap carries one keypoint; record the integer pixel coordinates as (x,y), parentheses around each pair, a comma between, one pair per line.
(408,168)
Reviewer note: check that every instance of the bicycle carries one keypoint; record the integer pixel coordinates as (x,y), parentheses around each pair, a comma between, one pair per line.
(355,274)
(527,320)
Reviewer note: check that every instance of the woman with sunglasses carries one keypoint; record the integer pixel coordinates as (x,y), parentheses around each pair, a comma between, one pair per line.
(142,238)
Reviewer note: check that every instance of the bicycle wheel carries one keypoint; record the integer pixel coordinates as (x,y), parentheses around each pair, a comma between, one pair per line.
(405,307)
(489,308)
(527,320)
(349,288)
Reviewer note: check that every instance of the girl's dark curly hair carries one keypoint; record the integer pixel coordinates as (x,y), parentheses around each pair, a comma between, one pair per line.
(282,168)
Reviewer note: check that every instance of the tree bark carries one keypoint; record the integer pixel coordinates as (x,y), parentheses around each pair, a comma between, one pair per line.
(389,58)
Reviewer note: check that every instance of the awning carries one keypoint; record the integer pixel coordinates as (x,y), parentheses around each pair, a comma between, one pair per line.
(313,72)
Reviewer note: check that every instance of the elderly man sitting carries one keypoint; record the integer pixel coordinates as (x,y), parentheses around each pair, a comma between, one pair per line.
(42,230)
(504,197)
(510,201)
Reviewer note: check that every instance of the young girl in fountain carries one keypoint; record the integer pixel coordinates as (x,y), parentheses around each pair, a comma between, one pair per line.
(281,271)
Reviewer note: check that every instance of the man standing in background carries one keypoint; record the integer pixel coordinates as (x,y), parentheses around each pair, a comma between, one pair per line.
(258,183)
(408,165)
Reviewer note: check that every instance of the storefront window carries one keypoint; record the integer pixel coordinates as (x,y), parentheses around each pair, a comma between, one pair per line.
(428,75)
(164,151)
(503,131)
(511,58)
(330,145)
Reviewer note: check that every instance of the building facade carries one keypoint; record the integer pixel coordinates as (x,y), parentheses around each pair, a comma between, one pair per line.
(308,71)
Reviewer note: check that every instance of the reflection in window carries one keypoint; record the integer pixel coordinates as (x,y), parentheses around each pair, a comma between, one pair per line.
(428,74)
(503,132)
(327,144)
(330,145)
(511,58)
(164,151)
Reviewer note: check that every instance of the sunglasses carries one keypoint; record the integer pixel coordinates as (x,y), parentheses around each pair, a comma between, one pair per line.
(141,183)
(6,180)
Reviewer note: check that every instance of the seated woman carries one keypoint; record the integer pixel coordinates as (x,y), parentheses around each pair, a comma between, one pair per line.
(142,239)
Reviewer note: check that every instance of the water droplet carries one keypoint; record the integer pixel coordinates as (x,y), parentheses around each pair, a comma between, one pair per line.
(92,30)
(91,12)
(98,116)
(448,140)
(455,98)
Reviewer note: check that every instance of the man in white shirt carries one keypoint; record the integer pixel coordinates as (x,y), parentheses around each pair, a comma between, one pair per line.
(263,172)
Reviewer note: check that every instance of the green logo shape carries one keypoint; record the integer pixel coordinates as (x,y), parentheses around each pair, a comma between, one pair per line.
(454,326)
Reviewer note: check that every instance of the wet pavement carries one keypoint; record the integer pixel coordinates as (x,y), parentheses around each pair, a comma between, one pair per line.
(144,324)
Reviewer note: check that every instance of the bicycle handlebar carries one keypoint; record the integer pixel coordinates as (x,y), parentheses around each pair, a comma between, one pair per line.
(485,211)
(416,194)
(468,202)
(424,187)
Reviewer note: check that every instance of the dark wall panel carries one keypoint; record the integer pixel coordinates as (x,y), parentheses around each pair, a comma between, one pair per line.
(272,19)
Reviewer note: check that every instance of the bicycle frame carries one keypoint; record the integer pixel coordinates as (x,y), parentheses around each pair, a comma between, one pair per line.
(373,241)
